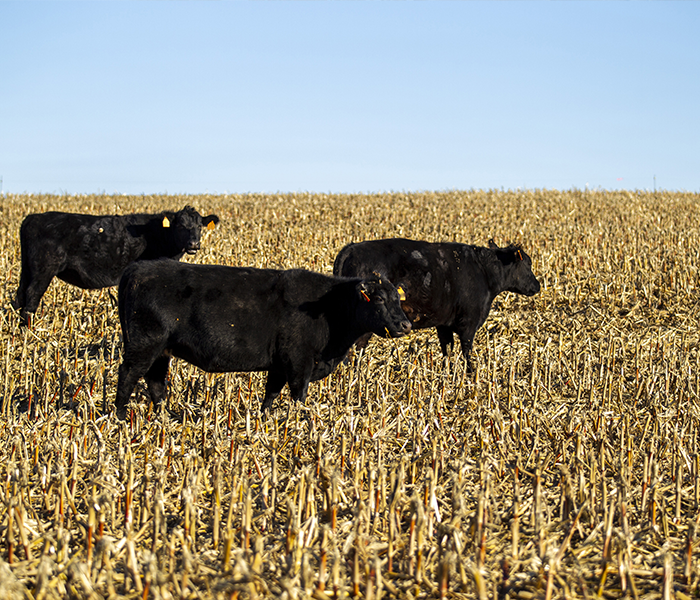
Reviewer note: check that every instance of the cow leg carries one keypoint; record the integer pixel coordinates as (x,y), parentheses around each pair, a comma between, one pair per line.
(324,368)
(128,376)
(298,378)
(467,341)
(446,338)
(466,328)
(155,380)
(21,295)
(275,382)
(298,390)
(20,300)
(25,277)
(130,371)
(29,294)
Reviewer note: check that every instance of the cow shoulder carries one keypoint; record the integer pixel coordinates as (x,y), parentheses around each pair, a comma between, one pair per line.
(298,286)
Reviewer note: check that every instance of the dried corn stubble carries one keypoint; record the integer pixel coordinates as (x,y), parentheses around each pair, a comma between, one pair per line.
(567,465)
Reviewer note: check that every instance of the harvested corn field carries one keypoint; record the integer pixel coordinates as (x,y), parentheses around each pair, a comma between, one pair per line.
(565,466)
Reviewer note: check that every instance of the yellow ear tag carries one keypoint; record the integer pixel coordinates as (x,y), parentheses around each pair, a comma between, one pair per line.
(211,225)
(166,222)
(365,295)
(402,294)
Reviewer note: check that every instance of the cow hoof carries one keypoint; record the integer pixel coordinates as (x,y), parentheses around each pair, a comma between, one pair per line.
(25,319)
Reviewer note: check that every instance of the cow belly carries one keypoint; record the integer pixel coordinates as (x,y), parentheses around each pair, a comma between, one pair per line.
(88,281)
(424,315)
(97,271)
(235,355)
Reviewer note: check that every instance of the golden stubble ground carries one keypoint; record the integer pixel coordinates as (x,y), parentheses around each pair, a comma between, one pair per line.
(567,466)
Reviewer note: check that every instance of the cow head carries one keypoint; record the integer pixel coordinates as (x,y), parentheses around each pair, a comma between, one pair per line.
(518,268)
(185,228)
(379,308)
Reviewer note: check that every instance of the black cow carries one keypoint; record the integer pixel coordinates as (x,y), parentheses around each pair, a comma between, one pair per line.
(297,325)
(92,251)
(448,286)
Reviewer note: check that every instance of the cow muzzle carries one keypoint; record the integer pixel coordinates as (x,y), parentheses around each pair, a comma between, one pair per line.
(402,329)
(534,288)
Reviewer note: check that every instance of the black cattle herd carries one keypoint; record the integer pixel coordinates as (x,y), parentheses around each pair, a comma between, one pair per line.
(297,325)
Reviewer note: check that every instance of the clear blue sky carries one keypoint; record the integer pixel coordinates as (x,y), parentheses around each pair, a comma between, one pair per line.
(154,97)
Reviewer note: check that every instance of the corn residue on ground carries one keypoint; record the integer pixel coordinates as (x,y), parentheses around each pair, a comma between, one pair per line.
(565,466)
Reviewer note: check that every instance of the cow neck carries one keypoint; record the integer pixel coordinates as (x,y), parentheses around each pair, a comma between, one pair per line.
(343,332)
(493,270)
(157,242)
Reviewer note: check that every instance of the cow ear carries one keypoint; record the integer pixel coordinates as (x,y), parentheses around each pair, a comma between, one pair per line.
(210,221)
(493,245)
(364,289)
(166,221)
